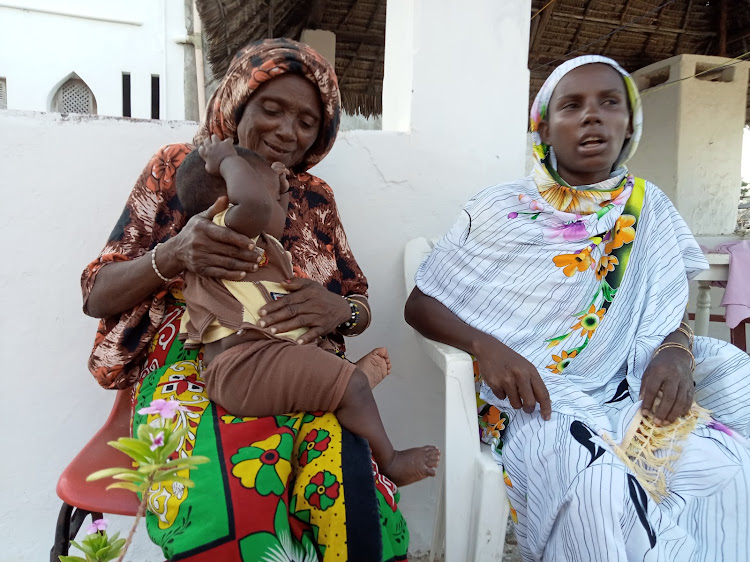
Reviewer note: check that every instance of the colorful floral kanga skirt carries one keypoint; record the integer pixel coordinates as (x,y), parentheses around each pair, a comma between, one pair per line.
(287,487)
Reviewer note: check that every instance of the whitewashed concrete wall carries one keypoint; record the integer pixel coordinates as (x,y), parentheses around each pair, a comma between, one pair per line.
(67,179)
(65,182)
(692,138)
(43,41)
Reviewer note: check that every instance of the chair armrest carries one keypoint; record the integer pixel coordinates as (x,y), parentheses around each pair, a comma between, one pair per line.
(460,394)
(444,356)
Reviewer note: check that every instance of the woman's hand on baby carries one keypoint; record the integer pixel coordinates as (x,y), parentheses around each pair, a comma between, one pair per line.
(510,375)
(213,251)
(308,305)
(214,150)
(667,387)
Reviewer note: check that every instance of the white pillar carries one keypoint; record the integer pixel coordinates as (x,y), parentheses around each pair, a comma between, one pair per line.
(452,68)
(322,41)
(692,137)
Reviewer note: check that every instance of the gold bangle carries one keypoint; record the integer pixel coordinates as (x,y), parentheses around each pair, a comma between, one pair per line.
(689,335)
(675,345)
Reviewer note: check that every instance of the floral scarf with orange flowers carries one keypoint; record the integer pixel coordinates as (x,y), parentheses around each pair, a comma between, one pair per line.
(538,264)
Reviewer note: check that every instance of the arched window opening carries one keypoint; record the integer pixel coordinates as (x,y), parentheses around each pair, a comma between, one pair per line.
(74,96)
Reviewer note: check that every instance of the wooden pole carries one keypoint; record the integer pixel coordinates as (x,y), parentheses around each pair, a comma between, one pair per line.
(722,28)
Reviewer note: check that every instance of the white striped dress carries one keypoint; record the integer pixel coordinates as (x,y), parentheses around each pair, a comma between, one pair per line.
(574,499)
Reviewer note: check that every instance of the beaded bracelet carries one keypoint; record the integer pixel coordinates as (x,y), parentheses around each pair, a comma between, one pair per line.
(153,264)
(353,319)
(675,345)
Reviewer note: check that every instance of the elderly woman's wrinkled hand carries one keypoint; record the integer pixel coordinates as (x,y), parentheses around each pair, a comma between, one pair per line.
(308,305)
(510,375)
(667,387)
(212,251)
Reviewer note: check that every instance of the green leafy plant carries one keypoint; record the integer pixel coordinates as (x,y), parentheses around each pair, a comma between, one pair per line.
(150,450)
(97,546)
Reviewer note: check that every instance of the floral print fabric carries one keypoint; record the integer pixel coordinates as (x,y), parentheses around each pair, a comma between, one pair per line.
(585,282)
(314,233)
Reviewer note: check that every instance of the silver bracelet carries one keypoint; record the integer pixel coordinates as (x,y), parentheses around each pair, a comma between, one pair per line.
(153,264)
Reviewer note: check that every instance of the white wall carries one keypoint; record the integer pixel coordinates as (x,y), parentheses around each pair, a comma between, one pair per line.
(65,181)
(39,49)
(467,131)
(692,139)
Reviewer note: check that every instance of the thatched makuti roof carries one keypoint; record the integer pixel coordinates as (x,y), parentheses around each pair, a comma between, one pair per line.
(359,26)
(636,33)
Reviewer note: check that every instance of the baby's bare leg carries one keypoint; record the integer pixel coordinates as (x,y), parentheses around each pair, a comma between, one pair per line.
(358,412)
(376,365)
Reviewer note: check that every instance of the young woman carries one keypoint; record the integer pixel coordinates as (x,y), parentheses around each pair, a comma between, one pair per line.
(569,287)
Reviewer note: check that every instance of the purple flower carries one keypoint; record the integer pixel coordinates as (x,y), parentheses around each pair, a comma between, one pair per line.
(512,215)
(96,526)
(569,231)
(157,441)
(165,408)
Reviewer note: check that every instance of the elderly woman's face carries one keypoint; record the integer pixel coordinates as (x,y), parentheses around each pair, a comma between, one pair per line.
(282,119)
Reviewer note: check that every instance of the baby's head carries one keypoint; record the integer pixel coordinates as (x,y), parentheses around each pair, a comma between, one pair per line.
(198,190)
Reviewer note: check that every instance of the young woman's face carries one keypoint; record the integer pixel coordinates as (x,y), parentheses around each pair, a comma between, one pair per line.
(282,119)
(587,123)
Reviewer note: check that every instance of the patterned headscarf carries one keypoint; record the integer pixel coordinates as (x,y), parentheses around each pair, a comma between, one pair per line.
(581,199)
(262,61)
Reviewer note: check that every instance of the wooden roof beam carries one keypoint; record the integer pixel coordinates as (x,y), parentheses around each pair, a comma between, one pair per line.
(740,36)
(315,14)
(678,47)
(636,26)
(348,14)
(374,13)
(538,31)
(622,21)
(349,66)
(366,37)
(722,28)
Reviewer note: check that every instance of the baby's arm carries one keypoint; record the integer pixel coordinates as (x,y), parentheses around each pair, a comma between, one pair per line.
(252,203)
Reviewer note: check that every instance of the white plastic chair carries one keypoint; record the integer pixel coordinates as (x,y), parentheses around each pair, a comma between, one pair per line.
(473,490)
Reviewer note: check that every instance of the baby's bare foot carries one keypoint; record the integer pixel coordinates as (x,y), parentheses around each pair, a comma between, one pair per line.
(376,365)
(412,465)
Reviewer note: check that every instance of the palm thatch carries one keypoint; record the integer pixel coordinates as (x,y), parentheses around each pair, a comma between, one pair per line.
(634,32)
(359,26)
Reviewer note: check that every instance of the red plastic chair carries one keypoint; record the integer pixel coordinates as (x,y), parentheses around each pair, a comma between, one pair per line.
(81,498)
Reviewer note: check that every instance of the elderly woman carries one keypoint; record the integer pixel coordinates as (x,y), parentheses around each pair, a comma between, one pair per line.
(293,485)
(569,286)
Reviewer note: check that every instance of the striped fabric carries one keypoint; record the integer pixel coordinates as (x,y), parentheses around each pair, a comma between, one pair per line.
(540,281)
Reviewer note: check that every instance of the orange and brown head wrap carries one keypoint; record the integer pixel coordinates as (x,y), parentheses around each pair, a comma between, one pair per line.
(262,61)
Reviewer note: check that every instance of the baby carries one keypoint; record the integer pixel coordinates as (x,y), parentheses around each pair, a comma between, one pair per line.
(249,370)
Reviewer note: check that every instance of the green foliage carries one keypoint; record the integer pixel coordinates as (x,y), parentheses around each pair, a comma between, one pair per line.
(151,465)
(97,547)
(150,451)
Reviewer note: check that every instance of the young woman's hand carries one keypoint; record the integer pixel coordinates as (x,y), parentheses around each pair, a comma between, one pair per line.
(308,305)
(210,250)
(510,375)
(668,377)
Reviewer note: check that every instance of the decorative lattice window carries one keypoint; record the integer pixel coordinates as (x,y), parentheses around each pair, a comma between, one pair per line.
(74,96)
(3,94)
